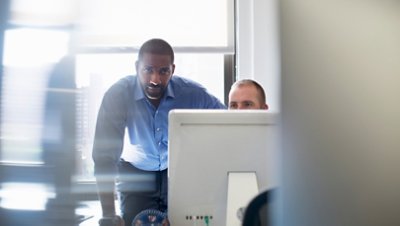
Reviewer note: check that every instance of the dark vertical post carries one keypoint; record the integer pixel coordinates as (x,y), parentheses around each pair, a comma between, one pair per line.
(229,75)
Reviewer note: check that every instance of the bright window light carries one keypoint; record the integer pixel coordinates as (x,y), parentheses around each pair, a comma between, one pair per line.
(34,47)
(131,22)
(25,196)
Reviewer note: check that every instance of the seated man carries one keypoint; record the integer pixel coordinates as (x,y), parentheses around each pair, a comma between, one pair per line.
(247,94)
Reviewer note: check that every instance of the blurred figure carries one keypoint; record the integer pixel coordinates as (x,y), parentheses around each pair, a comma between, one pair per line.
(59,141)
(247,94)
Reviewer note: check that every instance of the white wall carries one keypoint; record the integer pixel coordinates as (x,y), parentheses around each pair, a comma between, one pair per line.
(258,46)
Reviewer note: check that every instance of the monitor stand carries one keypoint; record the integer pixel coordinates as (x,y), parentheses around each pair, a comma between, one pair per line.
(242,188)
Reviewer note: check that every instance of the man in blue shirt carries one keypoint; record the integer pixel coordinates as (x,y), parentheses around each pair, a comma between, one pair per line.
(140,105)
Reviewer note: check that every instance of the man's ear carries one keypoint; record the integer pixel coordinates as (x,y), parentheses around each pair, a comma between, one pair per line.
(265,107)
(173,69)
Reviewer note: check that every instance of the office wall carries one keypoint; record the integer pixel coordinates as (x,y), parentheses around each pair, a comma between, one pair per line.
(258,46)
(341,112)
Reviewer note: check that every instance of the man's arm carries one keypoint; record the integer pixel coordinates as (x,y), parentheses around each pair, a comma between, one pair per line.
(107,148)
(105,189)
(106,193)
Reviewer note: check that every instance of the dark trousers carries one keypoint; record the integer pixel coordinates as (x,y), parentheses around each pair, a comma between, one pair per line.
(139,190)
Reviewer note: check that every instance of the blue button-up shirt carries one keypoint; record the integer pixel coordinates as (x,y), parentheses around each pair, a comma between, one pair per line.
(125,107)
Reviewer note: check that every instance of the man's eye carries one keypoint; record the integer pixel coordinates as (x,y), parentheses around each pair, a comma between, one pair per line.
(233,105)
(164,71)
(148,70)
(248,104)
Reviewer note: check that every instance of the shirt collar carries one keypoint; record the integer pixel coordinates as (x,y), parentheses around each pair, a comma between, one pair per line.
(170,90)
(137,90)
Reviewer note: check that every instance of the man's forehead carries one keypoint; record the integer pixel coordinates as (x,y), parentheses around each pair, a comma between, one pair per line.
(244,101)
(245,91)
(156,57)
(155,66)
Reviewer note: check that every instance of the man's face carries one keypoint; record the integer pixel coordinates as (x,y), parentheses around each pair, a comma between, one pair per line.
(154,73)
(245,97)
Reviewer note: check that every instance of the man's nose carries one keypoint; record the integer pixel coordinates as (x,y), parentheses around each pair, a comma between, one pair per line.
(155,78)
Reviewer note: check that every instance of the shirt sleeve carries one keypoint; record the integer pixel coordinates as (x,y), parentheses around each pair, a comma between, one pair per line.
(217,104)
(110,131)
(211,102)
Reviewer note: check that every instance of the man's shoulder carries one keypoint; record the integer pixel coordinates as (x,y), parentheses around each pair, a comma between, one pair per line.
(127,80)
(182,82)
(123,83)
(122,86)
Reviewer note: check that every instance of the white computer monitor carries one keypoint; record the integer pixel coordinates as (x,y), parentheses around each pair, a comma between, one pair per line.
(218,161)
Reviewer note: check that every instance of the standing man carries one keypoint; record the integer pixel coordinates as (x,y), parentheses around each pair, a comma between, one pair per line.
(140,105)
(247,94)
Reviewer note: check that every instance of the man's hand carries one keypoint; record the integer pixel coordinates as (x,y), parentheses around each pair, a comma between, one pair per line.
(111,221)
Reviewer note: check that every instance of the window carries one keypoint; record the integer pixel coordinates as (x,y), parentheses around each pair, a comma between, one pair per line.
(128,23)
(111,33)
(104,36)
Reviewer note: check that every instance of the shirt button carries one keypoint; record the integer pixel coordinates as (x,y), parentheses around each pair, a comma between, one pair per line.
(158,129)
(159,143)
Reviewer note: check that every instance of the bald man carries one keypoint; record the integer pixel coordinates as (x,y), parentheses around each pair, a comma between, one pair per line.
(247,94)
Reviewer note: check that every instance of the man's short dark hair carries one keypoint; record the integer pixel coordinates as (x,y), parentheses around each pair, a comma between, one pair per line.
(156,46)
(251,82)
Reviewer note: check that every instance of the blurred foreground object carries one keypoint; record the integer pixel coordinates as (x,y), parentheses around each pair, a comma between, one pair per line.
(341,112)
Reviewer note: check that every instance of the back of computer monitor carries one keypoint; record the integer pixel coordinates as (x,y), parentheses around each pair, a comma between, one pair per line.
(206,147)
